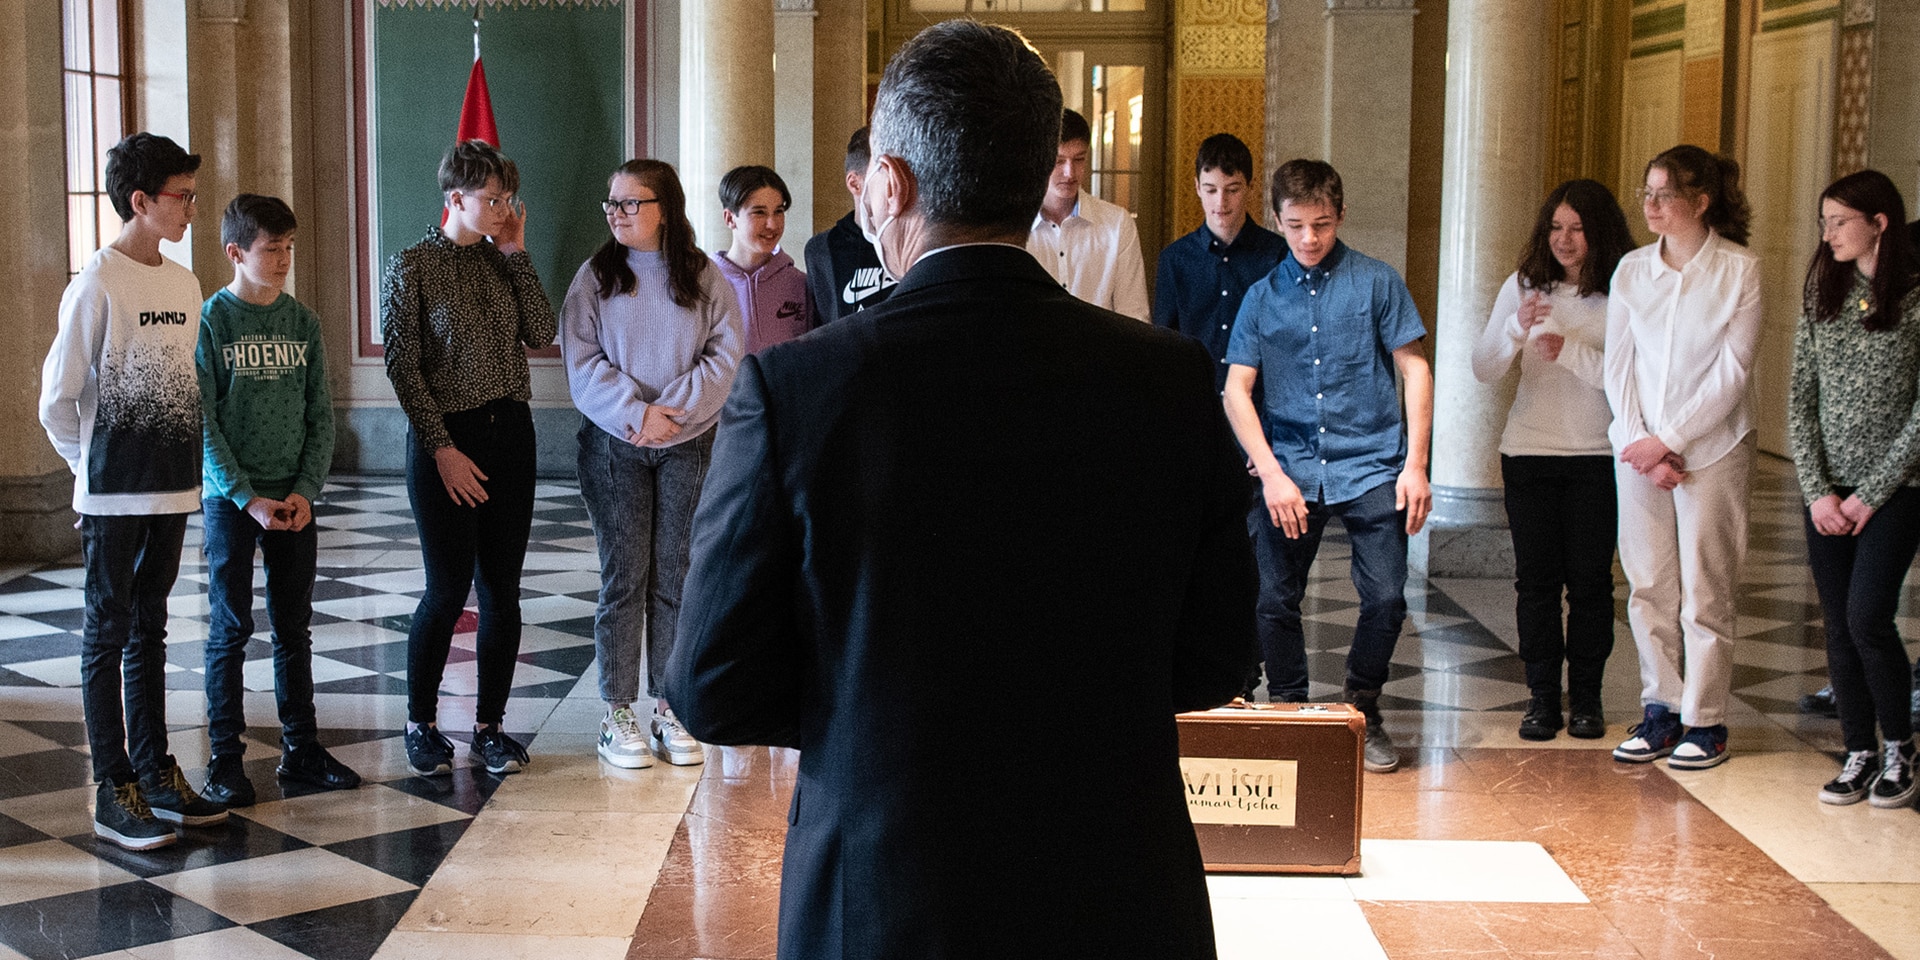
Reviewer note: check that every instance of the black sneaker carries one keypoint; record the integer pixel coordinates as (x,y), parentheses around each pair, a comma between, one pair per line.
(121,817)
(227,783)
(429,752)
(1586,721)
(1896,785)
(498,752)
(311,764)
(173,799)
(1855,780)
(1820,703)
(1542,719)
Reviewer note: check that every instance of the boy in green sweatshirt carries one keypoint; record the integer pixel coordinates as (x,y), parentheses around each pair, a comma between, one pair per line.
(268,424)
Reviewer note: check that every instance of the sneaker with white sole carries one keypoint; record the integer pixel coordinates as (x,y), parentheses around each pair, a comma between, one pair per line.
(1855,781)
(1896,785)
(496,751)
(1653,737)
(171,798)
(1702,747)
(622,742)
(121,817)
(672,742)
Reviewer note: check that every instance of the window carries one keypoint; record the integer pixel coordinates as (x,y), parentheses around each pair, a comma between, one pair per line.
(96,120)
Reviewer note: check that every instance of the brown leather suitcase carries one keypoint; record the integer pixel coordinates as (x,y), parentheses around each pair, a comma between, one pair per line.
(1275,787)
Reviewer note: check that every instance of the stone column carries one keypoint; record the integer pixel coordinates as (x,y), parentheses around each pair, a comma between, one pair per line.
(1498,81)
(1367,115)
(839,104)
(36,489)
(726,102)
(240,116)
(793,28)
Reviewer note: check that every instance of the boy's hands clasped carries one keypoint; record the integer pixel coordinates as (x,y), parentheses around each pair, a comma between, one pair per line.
(293,513)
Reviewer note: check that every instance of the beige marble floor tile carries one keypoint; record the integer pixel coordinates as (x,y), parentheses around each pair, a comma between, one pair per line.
(15,741)
(233,942)
(414,945)
(376,761)
(40,703)
(1887,912)
(546,872)
(361,711)
(50,868)
(568,774)
(324,818)
(61,813)
(263,888)
(578,716)
(1264,929)
(8,953)
(1770,798)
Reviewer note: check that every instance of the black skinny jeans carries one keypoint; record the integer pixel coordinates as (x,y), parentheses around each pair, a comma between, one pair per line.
(480,547)
(1859,577)
(1563,515)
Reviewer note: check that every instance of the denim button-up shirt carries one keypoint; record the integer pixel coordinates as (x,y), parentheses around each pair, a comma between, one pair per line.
(1322,339)
(1201,282)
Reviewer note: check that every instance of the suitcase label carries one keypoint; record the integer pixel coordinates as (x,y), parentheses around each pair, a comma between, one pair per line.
(1241,791)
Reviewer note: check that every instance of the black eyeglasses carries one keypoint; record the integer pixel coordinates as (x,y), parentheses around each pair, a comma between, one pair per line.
(630,207)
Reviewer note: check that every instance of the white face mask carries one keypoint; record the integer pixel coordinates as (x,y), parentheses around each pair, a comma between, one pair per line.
(867,229)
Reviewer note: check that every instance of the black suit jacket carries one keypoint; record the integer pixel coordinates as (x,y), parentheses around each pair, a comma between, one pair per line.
(969,551)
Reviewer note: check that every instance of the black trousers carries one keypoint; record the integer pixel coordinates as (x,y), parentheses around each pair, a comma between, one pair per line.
(1563,517)
(481,548)
(1858,577)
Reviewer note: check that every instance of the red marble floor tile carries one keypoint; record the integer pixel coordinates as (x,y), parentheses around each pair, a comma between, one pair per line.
(1426,768)
(1725,931)
(1650,818)
(1536,931)
(1438,815)
(756,803)
(708,853)
(743,763)
(1612,871)
(722,923)
(1567,773)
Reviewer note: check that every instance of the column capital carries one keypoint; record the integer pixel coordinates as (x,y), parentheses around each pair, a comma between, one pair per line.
(220,11)
(1372,6)
(796,6)
(1857,12)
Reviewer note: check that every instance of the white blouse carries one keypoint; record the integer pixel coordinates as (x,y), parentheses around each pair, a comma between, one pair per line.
(1680,349)
(1560,408)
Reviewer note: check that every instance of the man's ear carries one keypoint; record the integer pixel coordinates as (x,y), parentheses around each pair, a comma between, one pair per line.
(234,253)
(899,191)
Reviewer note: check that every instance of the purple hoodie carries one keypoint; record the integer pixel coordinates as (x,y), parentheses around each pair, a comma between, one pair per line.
(773,299)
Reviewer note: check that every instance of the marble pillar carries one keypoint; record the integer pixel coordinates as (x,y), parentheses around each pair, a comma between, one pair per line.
(726,102)
(839,104)
(240,117)
(1498,83)
(36,488)
(793,155)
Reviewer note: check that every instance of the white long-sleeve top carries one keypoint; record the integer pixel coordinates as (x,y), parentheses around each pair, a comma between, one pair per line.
(1560,408)
(1680,349)
(1095,254)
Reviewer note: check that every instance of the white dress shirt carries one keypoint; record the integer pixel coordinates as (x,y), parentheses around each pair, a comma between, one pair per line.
(1680,348)
(1095,254)
(1560,408)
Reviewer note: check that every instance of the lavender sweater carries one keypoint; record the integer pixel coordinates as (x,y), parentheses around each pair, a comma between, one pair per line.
(773,299)
(637,349)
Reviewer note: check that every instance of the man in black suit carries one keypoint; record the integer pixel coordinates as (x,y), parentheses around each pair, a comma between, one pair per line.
(970,551)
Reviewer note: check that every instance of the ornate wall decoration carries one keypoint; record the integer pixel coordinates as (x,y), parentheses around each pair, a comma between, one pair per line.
(1853,109)
(1210,105)
(500,3)
(1237,49)
(1857,12)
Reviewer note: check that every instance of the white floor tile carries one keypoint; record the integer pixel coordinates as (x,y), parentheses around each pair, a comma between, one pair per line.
(1271,930)
(1484,871)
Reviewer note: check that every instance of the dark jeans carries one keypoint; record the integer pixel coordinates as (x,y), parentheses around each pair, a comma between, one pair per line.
(1563,514)
(481,548)
(289,557)
(131,565)
(1858,577)
(1378,535)
(641,501)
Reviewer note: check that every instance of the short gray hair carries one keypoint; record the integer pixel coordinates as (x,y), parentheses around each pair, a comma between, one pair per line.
(975,113)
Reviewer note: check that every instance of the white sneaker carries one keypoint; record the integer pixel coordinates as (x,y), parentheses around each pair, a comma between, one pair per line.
(672,741)
(621,742)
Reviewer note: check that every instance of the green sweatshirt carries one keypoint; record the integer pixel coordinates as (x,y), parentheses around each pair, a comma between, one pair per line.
(266,413)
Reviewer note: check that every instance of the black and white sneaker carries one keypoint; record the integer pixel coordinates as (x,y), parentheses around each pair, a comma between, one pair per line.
(429,752)
(1896,785)
(173,799)
(1855,780)
(121,817)
(227,783)
(498,752)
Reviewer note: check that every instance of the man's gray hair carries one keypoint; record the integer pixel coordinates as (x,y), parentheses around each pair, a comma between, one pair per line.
(975,113)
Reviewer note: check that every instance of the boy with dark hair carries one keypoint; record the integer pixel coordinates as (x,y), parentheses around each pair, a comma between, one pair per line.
(773,293)
(1204,275)
(1324,333)
(268,427)
(843,273)
(1091,247)
(118,400)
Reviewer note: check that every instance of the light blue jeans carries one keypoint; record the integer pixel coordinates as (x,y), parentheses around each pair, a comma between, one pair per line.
(641,502)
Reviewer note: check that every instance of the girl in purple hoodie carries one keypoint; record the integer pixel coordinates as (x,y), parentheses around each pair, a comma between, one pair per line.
(772,291)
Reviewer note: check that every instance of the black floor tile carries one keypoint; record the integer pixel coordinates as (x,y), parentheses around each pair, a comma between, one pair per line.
(44,771)
(578,626)
(73,619)
(14,833)
(466,789)
(118,917)
(351,931)
(236,839)
(67,733)
(412,855)
(380,657)
(30,583)
(8,678)
(372,683)
(44,647)
(340,590)
(568,660)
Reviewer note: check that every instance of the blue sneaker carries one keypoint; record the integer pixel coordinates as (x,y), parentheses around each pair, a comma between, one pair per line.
(1652,738)
(1702,747)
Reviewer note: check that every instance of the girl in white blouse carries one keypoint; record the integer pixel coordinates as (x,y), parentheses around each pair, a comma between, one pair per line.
(1557,465)
(1683,324)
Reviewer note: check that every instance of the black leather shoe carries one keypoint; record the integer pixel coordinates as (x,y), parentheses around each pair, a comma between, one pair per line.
(227,783)
(1820,703)
(1586,722)
(1542,719)
(311,764)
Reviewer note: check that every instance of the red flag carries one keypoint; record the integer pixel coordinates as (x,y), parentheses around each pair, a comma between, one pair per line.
(476,110)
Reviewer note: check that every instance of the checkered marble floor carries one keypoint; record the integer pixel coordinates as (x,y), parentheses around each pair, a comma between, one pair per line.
(332,875)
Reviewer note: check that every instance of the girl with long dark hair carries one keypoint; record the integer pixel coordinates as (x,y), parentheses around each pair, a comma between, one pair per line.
(1853,420)
(652,335)
(1551,319)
